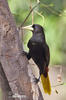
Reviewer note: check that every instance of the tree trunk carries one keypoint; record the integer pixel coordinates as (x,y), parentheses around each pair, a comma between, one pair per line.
(16,72)
(5,93)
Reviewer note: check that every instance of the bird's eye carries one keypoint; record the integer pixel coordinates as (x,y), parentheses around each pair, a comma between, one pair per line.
(33,26)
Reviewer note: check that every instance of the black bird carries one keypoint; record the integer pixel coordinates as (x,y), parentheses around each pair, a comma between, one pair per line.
(39,52)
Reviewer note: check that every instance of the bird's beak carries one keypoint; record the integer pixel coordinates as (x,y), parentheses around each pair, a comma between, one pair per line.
(28,27)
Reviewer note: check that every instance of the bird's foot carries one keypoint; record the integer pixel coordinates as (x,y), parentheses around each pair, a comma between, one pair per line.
(24,53)
(36,80)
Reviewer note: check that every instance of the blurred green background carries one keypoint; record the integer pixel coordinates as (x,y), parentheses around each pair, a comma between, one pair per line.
(51,14)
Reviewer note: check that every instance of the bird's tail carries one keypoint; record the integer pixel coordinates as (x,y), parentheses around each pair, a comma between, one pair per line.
(46,84)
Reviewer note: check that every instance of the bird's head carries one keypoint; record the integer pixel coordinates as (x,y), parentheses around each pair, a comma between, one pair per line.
(35,28)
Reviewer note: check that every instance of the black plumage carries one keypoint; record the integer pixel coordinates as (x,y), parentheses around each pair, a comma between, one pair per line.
(38,49)
(39,52)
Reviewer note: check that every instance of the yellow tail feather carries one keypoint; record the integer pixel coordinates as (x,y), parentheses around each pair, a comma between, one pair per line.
(46,84)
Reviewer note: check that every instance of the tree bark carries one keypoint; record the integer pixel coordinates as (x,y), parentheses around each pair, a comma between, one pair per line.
(5,93)
(15,69)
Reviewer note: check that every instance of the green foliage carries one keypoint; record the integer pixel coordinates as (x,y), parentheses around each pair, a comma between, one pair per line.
(53,36)
(26,38)
(52,16)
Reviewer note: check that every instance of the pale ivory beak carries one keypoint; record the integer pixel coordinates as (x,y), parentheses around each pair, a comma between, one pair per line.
(28,27)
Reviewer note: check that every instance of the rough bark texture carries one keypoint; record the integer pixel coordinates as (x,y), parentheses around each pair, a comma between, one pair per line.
(6,93)
(18,75)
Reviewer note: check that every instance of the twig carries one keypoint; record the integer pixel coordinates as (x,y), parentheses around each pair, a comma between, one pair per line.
(40,16)
(29,15)
(32,13)
(58,84)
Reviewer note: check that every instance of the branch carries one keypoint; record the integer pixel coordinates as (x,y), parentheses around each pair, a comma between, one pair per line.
(28,15)
(32,13)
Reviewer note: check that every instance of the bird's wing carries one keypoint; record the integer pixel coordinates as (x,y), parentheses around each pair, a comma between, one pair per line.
(46,54)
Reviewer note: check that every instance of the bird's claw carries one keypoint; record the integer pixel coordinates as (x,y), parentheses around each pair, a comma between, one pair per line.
(36,80)
(24,53)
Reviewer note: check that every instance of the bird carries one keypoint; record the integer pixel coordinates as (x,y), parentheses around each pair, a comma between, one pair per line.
(40,53)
